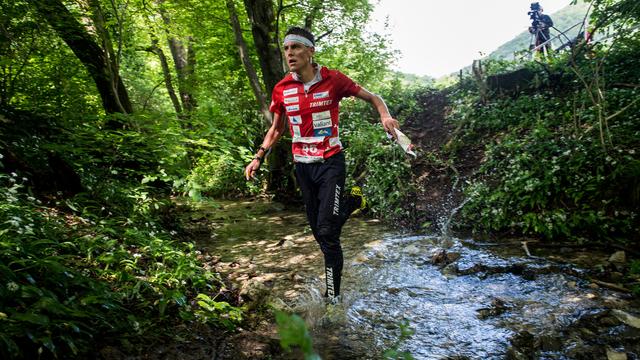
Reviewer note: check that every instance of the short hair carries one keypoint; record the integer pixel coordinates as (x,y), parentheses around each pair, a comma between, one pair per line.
(295,30)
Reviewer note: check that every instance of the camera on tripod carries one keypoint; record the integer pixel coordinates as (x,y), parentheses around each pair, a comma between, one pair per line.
(534,15)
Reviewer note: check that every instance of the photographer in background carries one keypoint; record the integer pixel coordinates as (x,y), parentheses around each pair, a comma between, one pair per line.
(540,26)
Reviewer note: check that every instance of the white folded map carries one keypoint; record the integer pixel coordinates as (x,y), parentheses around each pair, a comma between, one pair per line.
(405,143)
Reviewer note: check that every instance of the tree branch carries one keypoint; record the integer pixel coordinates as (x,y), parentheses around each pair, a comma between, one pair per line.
(323,35)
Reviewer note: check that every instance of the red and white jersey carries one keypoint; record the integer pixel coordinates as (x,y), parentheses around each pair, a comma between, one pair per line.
(313,115)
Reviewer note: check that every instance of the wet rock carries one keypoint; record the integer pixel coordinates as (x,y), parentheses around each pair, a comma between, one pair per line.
(618,257)
(616,355)
(380,254)
(279,304)
(439,258)
(609,321)
(360,259)
(582,351)
(393,291)
(297,278)
(452,256)
(374,244)
(550,342)
(450,270)
(529,274)
(254,293)
(522,346)
(476,268)
(627,318)
(523,340)
(616,277)
(390,326)
(443,258)
(584,332)
(447,243)
(412,250)
(497,307)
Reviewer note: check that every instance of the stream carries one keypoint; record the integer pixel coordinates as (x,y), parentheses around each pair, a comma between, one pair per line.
(461,299)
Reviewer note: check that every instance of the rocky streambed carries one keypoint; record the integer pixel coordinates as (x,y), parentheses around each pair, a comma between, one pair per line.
(458,298)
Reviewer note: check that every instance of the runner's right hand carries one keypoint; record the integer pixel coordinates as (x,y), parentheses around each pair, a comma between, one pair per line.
(251,169)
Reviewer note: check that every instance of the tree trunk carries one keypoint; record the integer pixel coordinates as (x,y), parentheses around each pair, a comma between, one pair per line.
(189,72)
(262,18)
(184,61)
(112,60)
(154,48)
(263,21)
(254,81)
(115,98)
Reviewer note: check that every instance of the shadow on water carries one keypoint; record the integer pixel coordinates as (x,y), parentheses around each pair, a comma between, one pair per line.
(462,300)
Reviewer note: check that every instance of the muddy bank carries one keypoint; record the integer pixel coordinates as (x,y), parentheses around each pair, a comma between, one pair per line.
(436,177)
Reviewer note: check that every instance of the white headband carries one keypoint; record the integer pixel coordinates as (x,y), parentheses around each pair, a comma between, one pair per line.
(299,39)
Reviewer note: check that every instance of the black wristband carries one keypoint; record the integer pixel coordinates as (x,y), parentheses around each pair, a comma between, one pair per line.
(263,149)
(258,158)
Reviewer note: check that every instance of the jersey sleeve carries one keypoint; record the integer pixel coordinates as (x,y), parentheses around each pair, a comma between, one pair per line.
(277,105)
(345,86)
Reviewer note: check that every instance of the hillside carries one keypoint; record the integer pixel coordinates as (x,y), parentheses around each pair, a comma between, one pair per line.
(563,19)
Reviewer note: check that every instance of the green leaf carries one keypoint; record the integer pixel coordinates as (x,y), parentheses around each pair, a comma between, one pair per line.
(293,332)
(32,318)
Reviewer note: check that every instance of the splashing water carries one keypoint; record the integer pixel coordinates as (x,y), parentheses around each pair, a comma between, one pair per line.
(445,228)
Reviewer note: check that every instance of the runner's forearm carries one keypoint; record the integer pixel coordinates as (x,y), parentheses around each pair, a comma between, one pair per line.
(272,136)
(379,104)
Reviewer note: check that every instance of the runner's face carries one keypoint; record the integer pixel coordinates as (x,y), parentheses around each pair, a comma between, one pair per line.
(297,55)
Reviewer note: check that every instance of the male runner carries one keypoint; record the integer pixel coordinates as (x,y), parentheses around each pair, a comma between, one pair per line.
(308,99)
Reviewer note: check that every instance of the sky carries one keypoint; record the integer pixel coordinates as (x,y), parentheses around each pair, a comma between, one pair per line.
(438,37)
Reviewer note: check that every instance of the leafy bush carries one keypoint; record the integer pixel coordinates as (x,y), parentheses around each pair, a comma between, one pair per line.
(102,266)
(374,161)
(70,277)
(556,165)
(220,175)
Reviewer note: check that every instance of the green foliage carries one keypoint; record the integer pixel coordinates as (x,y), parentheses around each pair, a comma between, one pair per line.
(559,164)
(218,151)
(393,353)
(217,175)
(105,261)
(218,311)
(293,332)
(70,277)
(619,15)
(37,70)
(375,161)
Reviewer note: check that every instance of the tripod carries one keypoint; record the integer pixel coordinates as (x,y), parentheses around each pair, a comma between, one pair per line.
(540,40)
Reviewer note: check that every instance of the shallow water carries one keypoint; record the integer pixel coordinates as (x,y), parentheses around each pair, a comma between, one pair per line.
(472,308)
